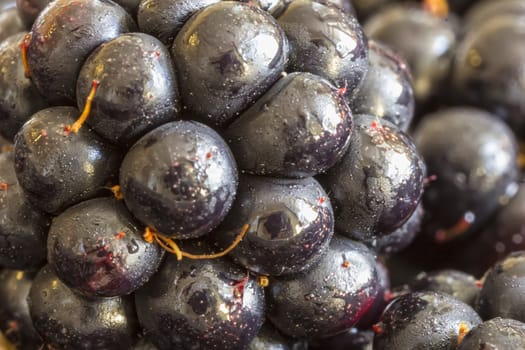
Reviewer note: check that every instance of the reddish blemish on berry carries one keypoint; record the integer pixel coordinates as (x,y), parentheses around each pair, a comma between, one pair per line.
(120,235)
(346,264)
(374,124)
(12,326)
(479,284)
(459,228)
(43,132)
(67,130)
(4,186)
(322,200)
(343,89)
(24,45)
(377,328)
(209,155)
(429,179)
(238,289)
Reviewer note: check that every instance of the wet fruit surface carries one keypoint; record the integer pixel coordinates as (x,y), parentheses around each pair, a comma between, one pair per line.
(96,248)
(202,304)
(291,223)
(301,127)
(67,321)
(378,183)
(328,298)
(180,179)
(56,167)
(219,81)
(425,320)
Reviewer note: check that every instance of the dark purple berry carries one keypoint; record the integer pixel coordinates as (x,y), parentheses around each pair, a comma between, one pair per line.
(57,167)
(329,298)
(291,224)
(137,87)
(503,289)
(96,248)
(63,36)
(424,320)
(226,56)
(201,304)
(325,41)
(379,183)
(68,321)
(300,127)
(180,179)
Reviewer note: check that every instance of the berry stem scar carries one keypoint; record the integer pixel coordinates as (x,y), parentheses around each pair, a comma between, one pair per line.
(170,246)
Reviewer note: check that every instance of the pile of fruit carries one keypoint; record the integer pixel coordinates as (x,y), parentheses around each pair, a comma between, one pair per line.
(272,174)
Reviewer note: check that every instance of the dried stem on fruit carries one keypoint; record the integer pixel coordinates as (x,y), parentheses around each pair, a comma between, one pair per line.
(463,330)
(117,192)
(87,108)
(438,8)
(263,281)
(459,228)
(24,45)
(168,244)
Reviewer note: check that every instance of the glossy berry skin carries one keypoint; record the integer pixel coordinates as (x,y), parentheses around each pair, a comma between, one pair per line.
(164,18)
(325,41)
(503,235)
(131,6)
(301,127)
(484,11)
(96,248)
(330,297)
(423,320)
(291,224)
(201,304)
(20,99)
(504,289)
(401,238)
(58,168)
(15,322)
(430,51)
(269,338)
(381,300)
(28,10)
(63,36)
(66,320)
(379,182)
(492,81)
(10,23)
(180,179)
(386,90)
(497,333)
(131,99)
(274,7)
(472,156)
(455,283)
(351,339)
(23,229)
(226,56)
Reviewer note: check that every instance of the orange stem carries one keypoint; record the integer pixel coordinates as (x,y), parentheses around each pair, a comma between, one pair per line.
(24,45)
(168,244)
(87,108)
